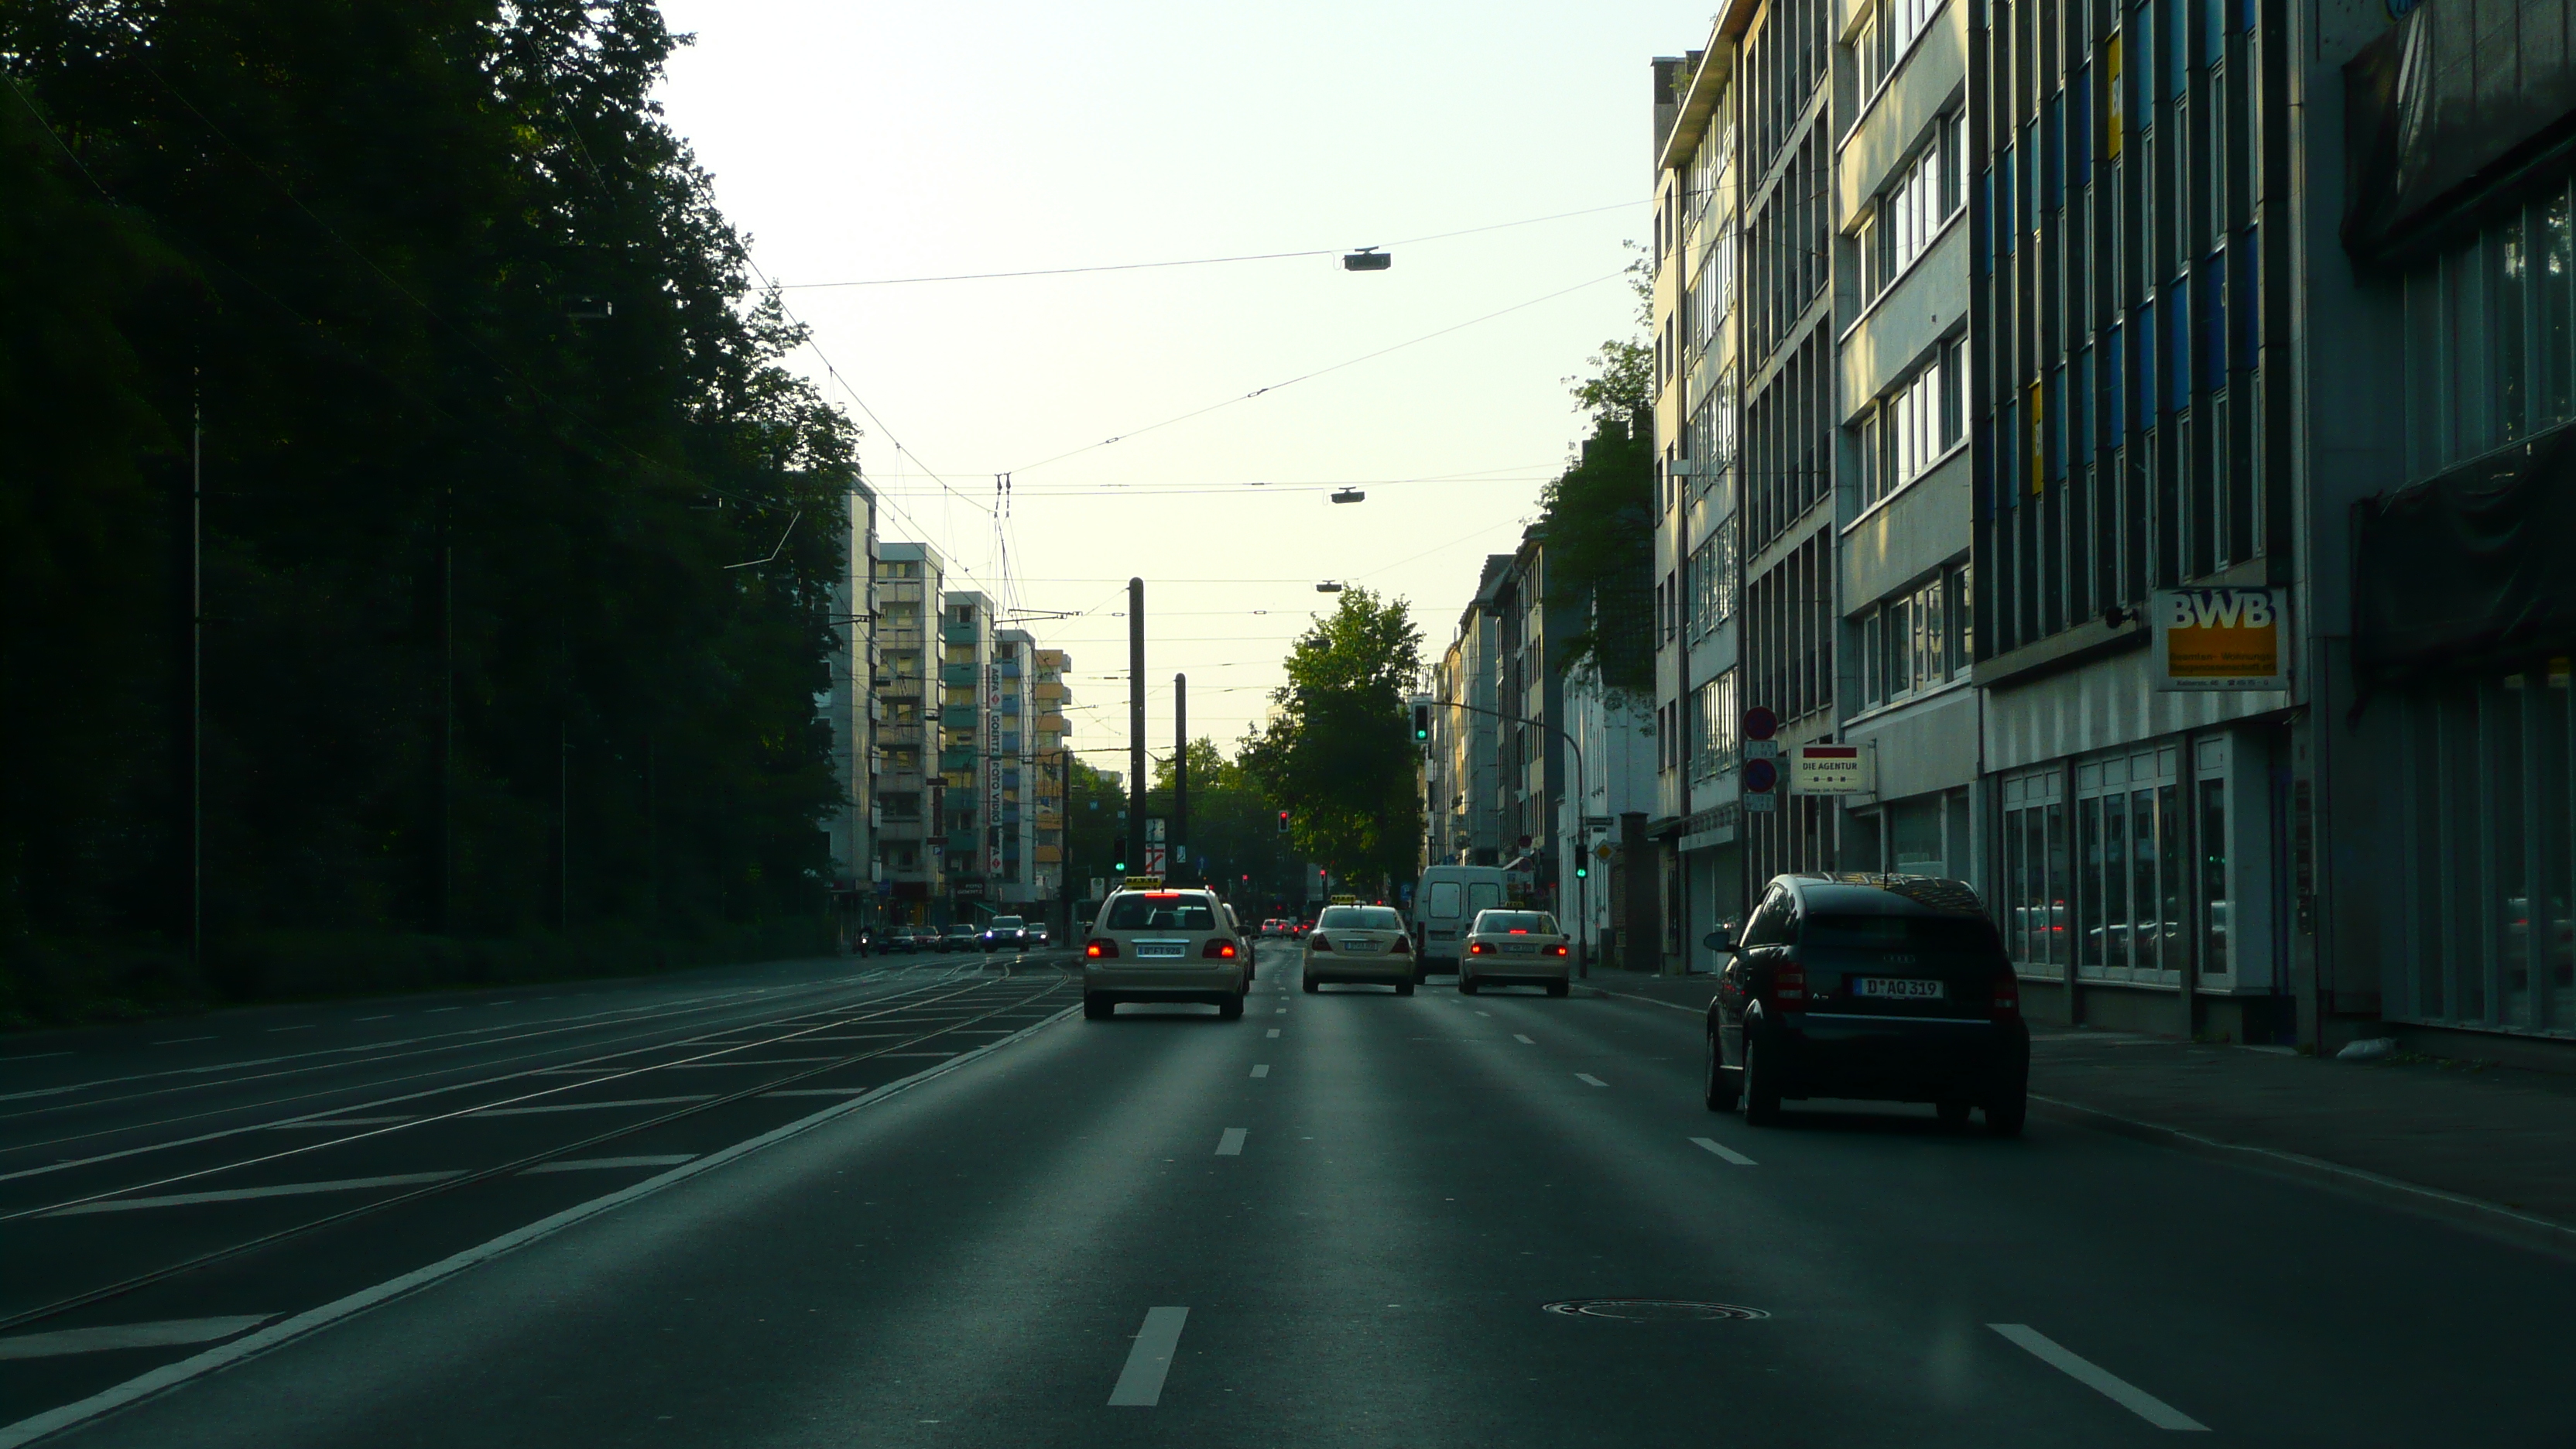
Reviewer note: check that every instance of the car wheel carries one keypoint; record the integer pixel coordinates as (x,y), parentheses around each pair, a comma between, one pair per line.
(1761,1094)
(1952,1111)
(2004,1115)
(1466,984)
(1720,1094)
(1404,988)
(1311,984)
(1230,1009)
(1097,1008)
(1559,988)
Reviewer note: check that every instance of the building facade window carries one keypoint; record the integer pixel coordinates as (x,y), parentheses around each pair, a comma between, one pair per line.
(1919,200)
(1718,728)
(2489,329)
(1920,421)
(1916,639)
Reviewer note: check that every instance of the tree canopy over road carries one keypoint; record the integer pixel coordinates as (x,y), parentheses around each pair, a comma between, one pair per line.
(1338,752)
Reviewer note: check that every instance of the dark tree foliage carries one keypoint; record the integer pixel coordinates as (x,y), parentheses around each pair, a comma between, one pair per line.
(488,407)
(1338,752)
(1598,519)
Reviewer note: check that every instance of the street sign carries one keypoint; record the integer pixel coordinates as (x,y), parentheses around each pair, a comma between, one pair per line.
(1154,860)
(2221,638)
(1761,749)
(1761,804)
(1099,888)
(1760,723)
(1153,830)
(1831,770)
(1760,776)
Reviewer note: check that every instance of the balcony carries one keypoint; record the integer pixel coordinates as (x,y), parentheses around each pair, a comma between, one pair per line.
(1052,724)
(1010,669)
(1050,854)
(956,633)
(958,716)
(964,844)
(1010,704)
(956,760)
(903,732)
(957,676)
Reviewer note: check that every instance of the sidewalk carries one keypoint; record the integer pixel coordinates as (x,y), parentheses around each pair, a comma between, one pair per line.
(2491,1147)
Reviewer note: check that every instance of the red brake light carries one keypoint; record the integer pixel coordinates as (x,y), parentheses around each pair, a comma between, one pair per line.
(1480,948)
(1095,950)
(1318,943)
(2007,997)
(1221,950)
(1557,950)
(1520,930)
(1789,986)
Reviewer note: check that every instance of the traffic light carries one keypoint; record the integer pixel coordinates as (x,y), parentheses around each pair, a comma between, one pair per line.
(1581,869)
(1283,822)
(1421,723)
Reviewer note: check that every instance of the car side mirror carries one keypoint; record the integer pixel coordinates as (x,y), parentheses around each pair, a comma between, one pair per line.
(1723,939)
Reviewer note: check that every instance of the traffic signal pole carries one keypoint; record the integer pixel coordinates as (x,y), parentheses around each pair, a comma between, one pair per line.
(1181,772)
(1136,724)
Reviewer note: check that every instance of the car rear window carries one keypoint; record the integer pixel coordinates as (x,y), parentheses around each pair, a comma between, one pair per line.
(1360,918)
(1005,923)
(1902,933)
(1161,913)
(1500,923)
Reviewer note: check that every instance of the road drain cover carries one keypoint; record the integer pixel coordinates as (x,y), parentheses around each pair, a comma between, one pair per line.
(1650,1310)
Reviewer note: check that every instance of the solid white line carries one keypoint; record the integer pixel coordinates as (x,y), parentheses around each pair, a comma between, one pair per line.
(1140,1384)
(818,1091)
(2102,1381)
(127,1335)
(222,1356)
(902,1054)
(76,1086)
(585,1164)
(588,1106)
(244,1194)
(1230,1143)
(31,1056)
(1588,1077)
(1524,1041)
(335,1122)
(1274,1031)
(1729,1153)
(756,1062)
(1261,1069)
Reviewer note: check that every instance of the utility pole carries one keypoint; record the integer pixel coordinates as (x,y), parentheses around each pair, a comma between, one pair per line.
(1136,725)
(197,683)
(1181,769)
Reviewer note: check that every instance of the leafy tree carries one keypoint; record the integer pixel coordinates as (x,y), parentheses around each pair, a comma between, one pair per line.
(1338,752)
(1598,521)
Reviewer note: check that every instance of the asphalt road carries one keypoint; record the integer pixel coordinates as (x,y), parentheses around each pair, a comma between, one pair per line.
(1342,1219)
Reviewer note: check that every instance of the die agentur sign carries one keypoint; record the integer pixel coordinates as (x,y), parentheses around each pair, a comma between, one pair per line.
(2221,638)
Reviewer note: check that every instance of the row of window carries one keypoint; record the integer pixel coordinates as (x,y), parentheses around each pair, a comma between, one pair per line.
(1710,582)
(1917,639)
(1923,419)
(2491,338)
(1884,37)
(1716,728)
(1918,202)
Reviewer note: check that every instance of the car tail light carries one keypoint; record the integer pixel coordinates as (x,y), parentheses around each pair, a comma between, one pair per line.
(1480,948)
(1097,950)
(2007,997)
(1789,985)
(1218,950)
(1557,950)
(1318,943)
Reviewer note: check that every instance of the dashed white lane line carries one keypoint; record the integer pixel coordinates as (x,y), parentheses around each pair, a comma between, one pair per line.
(245,1194)
(1279,1011)
(166,1333)
(1484,1013)
(1261,1069)
(1140,1384)
(1724,1151)
(388,1016)
(1588,1077)
(589,1106)
(31,1056)
(587,1164)
(1524,1041)
(302,1026)
(179,1041)
(1230,1143)
(1274,1031)
(2101,1380)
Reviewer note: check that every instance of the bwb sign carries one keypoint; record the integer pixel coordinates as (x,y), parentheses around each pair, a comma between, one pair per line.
(2221,638)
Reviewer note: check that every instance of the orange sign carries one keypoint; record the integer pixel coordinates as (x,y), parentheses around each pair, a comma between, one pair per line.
(2221,638)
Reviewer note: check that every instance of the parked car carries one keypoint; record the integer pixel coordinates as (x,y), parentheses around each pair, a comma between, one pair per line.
(960,937)
(1888,988)
(899,940)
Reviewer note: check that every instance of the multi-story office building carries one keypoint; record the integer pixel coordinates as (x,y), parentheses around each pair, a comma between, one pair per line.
(969,729)
(1903,565)
(1048,761)
(911,797)
(1010,761)
(855,712)
(1462,807)
(1694,876)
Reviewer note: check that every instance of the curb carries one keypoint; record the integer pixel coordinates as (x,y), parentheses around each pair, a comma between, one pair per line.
(2494,1220)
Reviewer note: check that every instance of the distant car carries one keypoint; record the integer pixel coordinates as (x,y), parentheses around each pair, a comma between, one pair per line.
(1274,927)
(1359,944)
(899,939)
(1039,935)
(1164,945)
(1004,933)
(959,937)
(1883,987)
(1514,947)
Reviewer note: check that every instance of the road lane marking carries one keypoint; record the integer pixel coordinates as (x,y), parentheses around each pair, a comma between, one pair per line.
(167,1332)
(1484,1013)
(307,1026)
(1588,1077)
(586,1164)
(180,1040)
(1524,1041)
(898,1054)
(818,1091)
(76,1086)
(435,1010)
(337,1122)
(1274,1031)
(388,1016)
(590,1106)
(1261,1069)
(1230,1144)
(245,1194)
(1729,1153)
(31,1056)
(756,1062)
(1279,1011)
(2101,1380)
(1140,1384)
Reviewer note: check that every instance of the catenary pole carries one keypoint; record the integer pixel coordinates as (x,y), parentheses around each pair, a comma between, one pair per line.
(1136,724)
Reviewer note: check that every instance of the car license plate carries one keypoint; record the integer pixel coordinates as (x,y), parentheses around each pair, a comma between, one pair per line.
(1897,988)
(1358,943)
(1163,950)
(1521,948)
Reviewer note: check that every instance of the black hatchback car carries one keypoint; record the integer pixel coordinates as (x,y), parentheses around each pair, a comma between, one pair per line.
(1881,987)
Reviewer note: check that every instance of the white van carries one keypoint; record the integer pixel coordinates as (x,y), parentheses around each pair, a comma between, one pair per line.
(1445,900)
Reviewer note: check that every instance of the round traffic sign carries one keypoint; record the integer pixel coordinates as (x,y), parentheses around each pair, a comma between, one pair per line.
(1760,775)
(1760,723)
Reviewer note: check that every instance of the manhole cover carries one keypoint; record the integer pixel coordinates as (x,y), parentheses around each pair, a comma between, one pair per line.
(1650,1310)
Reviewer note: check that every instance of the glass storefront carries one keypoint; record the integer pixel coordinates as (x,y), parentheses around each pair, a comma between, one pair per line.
(2120,865)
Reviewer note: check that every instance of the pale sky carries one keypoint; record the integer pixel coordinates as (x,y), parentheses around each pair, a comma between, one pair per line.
(867,141)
